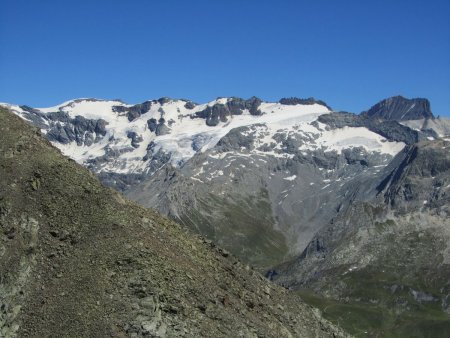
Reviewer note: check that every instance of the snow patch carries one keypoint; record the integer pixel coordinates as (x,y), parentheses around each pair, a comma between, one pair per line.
(351,137)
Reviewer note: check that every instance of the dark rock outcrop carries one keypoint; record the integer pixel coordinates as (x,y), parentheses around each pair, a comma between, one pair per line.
(236,139)
(420,179)
(399,108)
(64,129)
(214,114)
(135,138)
(158,126)
(234,106)
(309,101)
(189,105)
(135,111)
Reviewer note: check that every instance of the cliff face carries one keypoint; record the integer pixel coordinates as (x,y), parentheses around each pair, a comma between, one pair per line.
(398,108)
(79,260)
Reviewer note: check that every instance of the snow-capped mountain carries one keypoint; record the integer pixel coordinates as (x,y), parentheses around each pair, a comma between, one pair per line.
(120,138)
(341,197)
(297,157)
(117,138)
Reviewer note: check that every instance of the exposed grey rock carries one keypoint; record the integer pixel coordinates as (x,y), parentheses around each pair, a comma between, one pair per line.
(164,100)
(152,124)
(158,126)
(423,297)
(157,157)
(58,133)
(161,128)
(236,139)
(252,105)
(64,129)
(295,100)
(135,138)
(59,116)
(419,178)
(135,111)
(399,108)
(190,105)
(214,114)
(234,106)
(120,182)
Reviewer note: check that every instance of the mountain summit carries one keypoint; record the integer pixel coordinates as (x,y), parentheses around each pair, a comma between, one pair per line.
(399,108)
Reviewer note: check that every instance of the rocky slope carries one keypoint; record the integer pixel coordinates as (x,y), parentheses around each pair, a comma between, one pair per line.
(389,255)
(78,260)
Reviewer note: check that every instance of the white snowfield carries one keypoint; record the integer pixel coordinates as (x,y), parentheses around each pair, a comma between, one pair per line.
(186,130)
(347,137)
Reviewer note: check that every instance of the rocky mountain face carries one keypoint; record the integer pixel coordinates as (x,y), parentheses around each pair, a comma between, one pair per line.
(329,193)
(389,255)
(398,108)
(266,207)
(79,260)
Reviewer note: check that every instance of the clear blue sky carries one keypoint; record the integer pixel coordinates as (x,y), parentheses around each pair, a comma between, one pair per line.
(350,53)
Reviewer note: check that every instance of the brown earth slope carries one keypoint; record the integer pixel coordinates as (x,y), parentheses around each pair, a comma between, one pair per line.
(78,260)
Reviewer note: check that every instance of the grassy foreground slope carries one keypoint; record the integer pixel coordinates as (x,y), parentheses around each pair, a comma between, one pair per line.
(78,260)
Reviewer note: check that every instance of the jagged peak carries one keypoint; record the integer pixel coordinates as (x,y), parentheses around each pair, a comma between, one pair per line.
(400,108)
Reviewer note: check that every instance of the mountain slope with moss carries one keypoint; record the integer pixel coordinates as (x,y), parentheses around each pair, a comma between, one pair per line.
(79,260)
